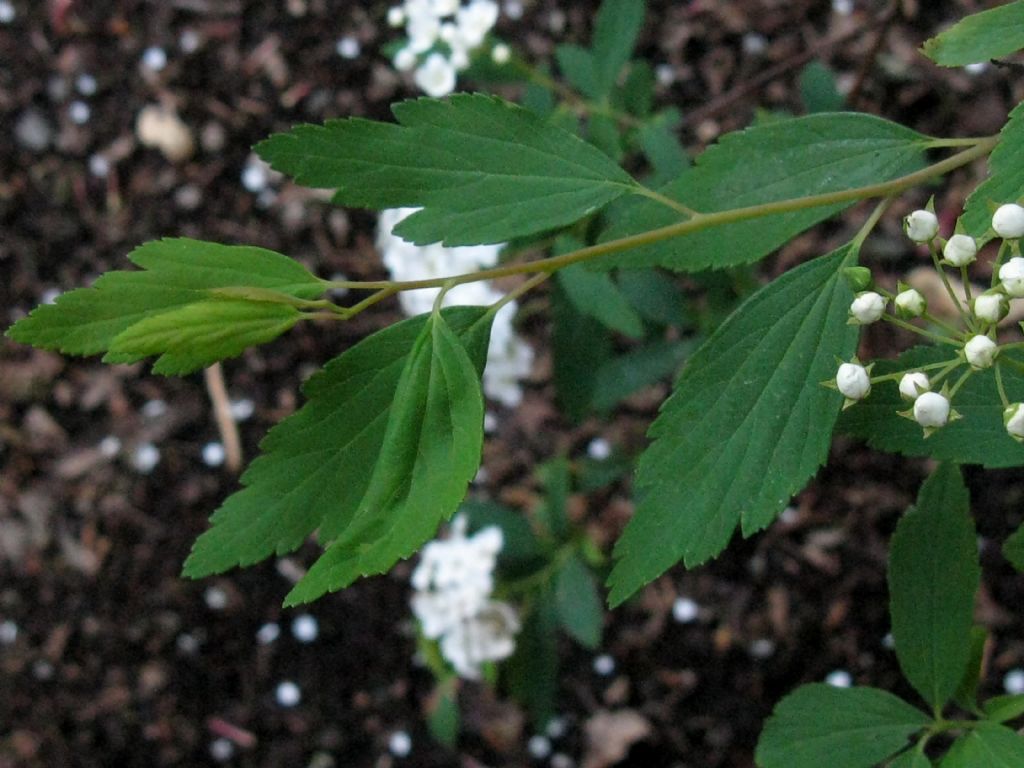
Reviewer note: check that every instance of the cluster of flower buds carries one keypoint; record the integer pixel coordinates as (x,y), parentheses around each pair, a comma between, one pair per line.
(442,36)
(453,583)
(978,349)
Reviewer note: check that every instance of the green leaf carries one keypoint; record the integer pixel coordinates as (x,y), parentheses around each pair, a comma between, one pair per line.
(986,746)
(577,66)
(175,273)
(818,89)
(626,374)
(316,464)
(595,295)
(483,170)
(521,551)
(933,577)
(1005,182)
(615,32)
(580,611)
(1013,549)
(197,335)
(579,345)
(636,96)
(655,296)
(911,759)
(553,513)
(748,424)
(987,35)
(1001,709)
(820,725)
(443,713)
(603,133)
(429,454)
(660,145)
(532,672)
(978,438)
(967,690)
(795,158)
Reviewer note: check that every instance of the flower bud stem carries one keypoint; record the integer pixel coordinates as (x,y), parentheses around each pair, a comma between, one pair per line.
(1000,387)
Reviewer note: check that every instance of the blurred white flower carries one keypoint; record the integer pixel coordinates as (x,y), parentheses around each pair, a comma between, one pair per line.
(435,76)
(453,583)
(509,357)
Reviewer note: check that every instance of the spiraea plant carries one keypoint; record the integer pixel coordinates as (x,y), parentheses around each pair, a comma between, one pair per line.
(390,436)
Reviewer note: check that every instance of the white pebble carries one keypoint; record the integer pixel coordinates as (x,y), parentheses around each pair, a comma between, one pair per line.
(255,177)
(7,13)
(338,277)
(400,744)
(79,112)
(305,628)
(50,296)
(348,47)
(99,166)
(539,747)
(842,7)
(42,669)
(86,84)
(685,610)
(789,515)
(976,68)
(839,678)
(222,750)
(481,476)
(216,598)
(556,728)
(287,694)
(1013,683)
(33,131)
(599,449)
(889,641)
(561,760)
(154,58)
(8,632)
(514,9)
(490,423)
(268,633)
(187,643)
(754,44)
(604,665)
(110,446)
(145,457)
(154,409)
(242,409)
(213,454)
(665,74)
(762,648)
(189,41)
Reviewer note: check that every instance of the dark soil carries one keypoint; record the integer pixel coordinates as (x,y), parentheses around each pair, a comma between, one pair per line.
(108,658)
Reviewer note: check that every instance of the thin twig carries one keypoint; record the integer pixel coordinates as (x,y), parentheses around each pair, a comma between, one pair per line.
(218,392)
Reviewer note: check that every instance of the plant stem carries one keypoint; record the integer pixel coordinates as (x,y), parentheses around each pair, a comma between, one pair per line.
(949,288)
(1000,387)
(900,323)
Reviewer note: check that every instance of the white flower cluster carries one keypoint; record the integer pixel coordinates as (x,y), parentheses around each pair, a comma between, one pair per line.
(979,349)
(453,583)
(442,35)
(509,358)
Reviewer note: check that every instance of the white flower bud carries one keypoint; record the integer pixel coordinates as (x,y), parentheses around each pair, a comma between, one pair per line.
(921,226)
(1008,221)
(1013,418)
(404,60)
(1011,274)
(910,303)
(853,381)
(501,54)
(867,308)
(960,250)
(991,307)
(914,384)
(931,410)
(980,351)
(396,16)
(435,76)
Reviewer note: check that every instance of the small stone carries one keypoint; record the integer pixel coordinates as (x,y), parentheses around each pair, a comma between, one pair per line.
(99,166)
(839,678)
(42,670)
(145,457)
(187,644)
(556,728)
(255,175)
(7,13)
(400,744)
(287,694)
(762,648)
(539,747)
(754,44)
(50,296)
(154,409)
(604,665)
(514,9)
(243,409)
(348,47)
(222,750)
(599,449)
(976,68)
(189,41)
(213,454)
(685,610)
(665,74)
(1013,683)
(86,84)
(216,598)
(8,632)
(305,628)
(561,760)
(162,129)
(33,131)
(268,633)
(109,447)
(154,58)
(842,7)
(79,112)
(490,423)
